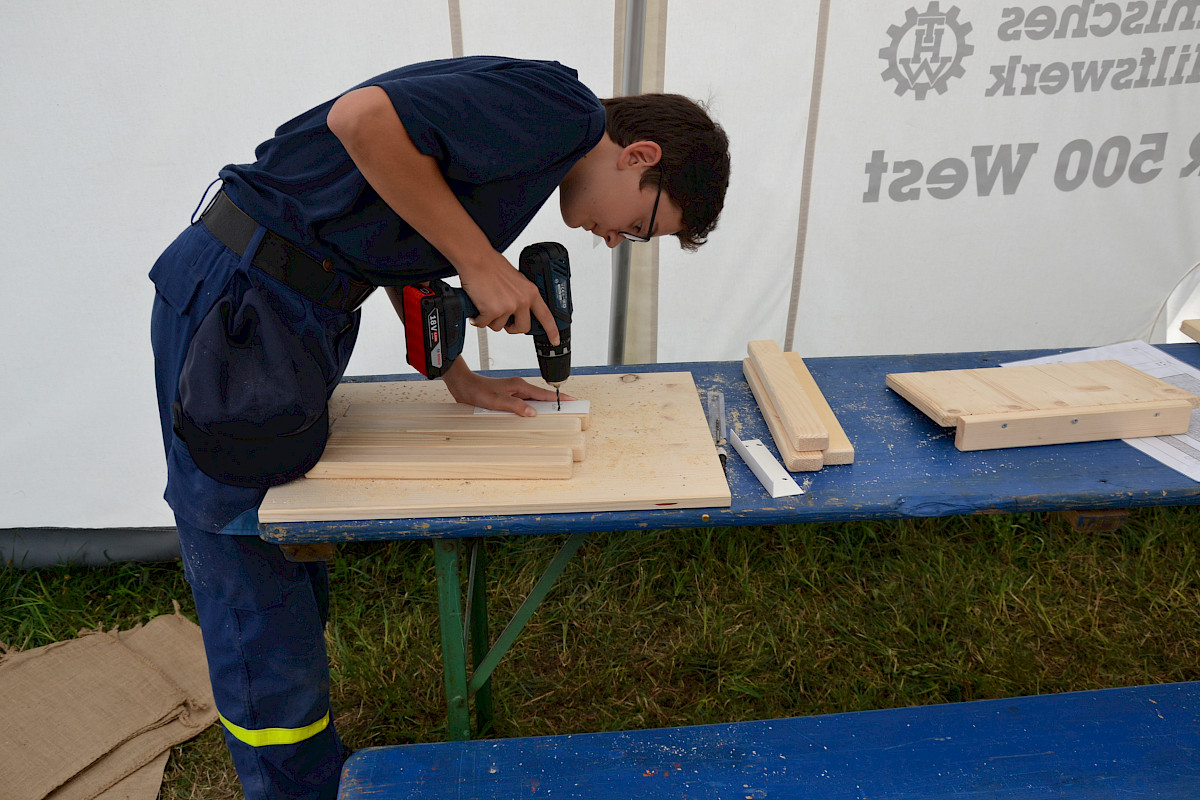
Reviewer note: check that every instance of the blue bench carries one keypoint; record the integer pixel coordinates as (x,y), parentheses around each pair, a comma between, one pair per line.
(1141,742)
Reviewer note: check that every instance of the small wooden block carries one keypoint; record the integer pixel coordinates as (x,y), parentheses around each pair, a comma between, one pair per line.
(1191,327)
(794,460)
(570,408)
(840,450)
(301,553)
(801,422)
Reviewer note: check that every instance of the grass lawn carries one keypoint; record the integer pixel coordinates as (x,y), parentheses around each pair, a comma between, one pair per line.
(699,626)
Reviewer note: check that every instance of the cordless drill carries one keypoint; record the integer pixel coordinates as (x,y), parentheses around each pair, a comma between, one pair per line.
(435,316)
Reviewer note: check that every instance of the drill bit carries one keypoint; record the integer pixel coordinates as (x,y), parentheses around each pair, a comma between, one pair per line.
(558,397)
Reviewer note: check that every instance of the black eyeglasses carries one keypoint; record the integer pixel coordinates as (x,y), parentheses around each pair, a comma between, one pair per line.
(633,237)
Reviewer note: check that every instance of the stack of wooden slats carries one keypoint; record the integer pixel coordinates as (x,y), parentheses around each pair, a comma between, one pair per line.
(449,440)
(806,431)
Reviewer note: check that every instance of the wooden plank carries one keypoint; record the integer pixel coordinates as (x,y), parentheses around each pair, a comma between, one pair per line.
(427,410)
(648,447)
(840,449)
(457,462)
(375,440)
(793,460)
(801,422)
(1063,426)
(1191,327)
(476,423)
(945,395)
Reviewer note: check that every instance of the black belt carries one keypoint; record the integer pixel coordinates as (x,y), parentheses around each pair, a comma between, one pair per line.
(281,259)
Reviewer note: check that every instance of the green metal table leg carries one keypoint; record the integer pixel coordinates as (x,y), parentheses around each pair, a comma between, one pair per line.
(454,661)
(483,670)
(477,619)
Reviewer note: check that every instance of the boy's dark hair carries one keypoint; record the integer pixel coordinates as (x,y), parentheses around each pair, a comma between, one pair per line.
(695,155)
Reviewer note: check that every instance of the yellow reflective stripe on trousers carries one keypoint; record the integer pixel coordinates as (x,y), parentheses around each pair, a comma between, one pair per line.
(269,736)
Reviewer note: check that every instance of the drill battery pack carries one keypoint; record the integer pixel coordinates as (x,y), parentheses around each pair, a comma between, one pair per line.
(435,319)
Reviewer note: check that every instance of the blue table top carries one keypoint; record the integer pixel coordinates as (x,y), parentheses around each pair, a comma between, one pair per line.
(1112,743)
(905,465)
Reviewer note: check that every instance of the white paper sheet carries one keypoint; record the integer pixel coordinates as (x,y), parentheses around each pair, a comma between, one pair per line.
(1181,453)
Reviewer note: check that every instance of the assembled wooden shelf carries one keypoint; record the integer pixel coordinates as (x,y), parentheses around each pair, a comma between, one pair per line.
(998,407)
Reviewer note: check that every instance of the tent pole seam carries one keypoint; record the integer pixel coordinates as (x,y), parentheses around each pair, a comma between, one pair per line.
(456,50)
(810,145)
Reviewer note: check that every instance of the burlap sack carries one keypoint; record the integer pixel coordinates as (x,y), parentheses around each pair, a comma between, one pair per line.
(82,715)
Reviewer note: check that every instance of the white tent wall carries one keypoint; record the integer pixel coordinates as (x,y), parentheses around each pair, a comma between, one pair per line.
(117,117)
(1067,254)
(735,288)
(119,113)
(1059,258)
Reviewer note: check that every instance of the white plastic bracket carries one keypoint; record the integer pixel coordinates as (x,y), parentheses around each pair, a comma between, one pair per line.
(766,467)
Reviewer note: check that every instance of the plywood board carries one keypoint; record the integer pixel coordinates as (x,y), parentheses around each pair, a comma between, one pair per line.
(1047,403)
(800,420)
(648,446)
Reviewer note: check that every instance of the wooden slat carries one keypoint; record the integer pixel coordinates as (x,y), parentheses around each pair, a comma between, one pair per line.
(377,439)
(800,420)
(428,410)
(1018,429)
(793,460)
(477,423)
(945,395)
(423,410)
(840,449)
(458,462)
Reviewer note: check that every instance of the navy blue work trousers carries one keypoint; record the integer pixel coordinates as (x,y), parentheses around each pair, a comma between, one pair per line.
(262,617)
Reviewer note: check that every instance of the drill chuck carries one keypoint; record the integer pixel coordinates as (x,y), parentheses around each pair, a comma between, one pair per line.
(554,362)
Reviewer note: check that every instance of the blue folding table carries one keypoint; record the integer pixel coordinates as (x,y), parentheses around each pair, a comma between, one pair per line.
(904,466)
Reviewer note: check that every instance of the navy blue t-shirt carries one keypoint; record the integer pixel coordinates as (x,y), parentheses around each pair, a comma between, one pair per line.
(504,132)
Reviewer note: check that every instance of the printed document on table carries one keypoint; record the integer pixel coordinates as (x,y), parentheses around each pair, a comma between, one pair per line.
(1181,453)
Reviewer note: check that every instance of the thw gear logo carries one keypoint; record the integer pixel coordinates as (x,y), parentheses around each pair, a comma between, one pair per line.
(926,51)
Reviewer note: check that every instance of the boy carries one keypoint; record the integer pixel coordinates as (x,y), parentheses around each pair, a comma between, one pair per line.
(422,172)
